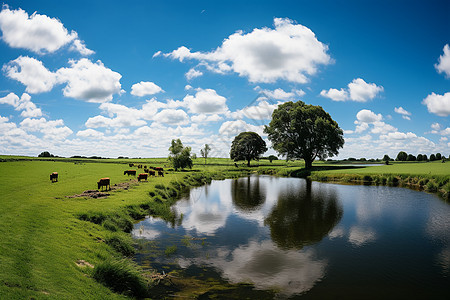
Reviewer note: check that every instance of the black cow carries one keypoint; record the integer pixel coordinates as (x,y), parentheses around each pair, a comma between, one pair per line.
(54,177)
(142,176)
(129,172)
(104,182)
(161,173)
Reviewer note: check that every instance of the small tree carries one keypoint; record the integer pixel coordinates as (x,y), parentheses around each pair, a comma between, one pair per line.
(180,156)
(432,157)
(205,151)
(386,158)
(272,157)
(45,154)
(402,156)
(419,157)
(425,157)
(438,156)
(247,146)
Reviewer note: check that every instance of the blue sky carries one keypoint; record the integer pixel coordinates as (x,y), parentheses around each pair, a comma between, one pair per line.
(114,78)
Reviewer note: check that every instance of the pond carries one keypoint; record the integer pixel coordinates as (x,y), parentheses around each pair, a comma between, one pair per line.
(308,240)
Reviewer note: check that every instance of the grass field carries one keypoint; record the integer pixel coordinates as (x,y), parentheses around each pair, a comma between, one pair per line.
(44,233)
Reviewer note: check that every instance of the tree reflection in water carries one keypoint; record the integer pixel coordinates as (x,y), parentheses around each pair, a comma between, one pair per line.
(248,194)
(302,217)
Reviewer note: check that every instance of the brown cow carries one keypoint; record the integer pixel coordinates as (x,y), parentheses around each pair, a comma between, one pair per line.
(151,172)
(142,176)
(54,177)
(129,172)
(104,182)
(159,169)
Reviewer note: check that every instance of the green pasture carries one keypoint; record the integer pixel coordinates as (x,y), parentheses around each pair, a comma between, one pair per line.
(44,233)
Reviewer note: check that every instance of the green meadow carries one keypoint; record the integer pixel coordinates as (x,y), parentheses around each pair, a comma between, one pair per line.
(56,247)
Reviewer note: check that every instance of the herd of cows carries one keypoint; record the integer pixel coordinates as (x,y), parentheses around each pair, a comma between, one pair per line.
(106,182)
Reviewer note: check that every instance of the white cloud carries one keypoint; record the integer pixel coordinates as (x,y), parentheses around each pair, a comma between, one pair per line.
(54,130)
(262,111)
(206,101)
(436,126)
(444,62)
(405,114)
(289,52)
(172,117)
(193,73)
(361,91)
(38,33)
(438,104)
(31,73)
(335,94)
(358,90)
(90,133)
(280,94)
(232,128)
(145,88)
(89,81)
(368,116)
(446,131)
(203,118)
(23,104)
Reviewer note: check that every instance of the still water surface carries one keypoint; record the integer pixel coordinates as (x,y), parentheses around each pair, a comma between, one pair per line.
(309,240)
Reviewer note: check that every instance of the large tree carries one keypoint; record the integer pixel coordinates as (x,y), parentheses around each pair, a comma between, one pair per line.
(302,131)
(180,156)
(247,146)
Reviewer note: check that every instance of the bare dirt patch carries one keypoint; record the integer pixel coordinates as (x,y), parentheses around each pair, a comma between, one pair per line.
(99,194)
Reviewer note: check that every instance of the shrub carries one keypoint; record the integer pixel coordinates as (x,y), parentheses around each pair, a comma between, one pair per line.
(121,276)
(121,243)
(432,186)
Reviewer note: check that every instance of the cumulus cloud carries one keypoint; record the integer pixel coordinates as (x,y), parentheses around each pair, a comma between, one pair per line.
(85,80)
(262,111)
(438,104)
(38,33)
(54,130)
(233,128)
(145,88)
(193,73)
(368,116)
(204,118)
(24,104)
(444,62)
(289,52)
(90,133)
(405,114)
(31,73)
(89,81)
(206,101)
(280,94)
(172,117)
(358,90)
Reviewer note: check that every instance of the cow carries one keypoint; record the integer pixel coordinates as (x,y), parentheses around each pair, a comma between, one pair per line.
(151,172)
(146,170)
(104,182)
(131,165)
(159,169)
(54,177)
(142,176)
(145,166)
(161,173)
(129,172)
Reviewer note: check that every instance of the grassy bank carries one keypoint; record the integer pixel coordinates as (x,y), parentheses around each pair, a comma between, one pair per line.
(59,247)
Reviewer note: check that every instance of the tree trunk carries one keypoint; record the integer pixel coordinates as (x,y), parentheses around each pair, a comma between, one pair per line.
(248,163)
(308,164)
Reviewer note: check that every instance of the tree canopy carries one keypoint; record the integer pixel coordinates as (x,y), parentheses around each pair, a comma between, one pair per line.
(301,131)
(180,156)
(247,146)
(402,156)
